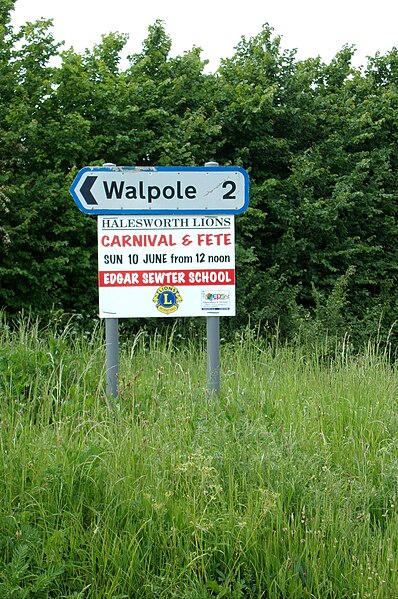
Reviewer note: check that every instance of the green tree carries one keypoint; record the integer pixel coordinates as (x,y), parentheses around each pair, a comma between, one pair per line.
(43,241)
(319,141)
(88,111)
(267,118)
(345,189)
(174,102)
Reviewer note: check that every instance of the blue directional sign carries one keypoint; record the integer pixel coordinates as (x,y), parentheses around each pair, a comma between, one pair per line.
(161,190)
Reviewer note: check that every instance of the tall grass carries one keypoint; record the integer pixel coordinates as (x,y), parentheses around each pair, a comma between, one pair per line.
(284,486)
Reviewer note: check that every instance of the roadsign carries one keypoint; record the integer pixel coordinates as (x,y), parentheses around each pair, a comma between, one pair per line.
(157,266)
(161,190)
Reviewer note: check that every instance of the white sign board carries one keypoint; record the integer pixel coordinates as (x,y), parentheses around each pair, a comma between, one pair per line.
(157,266)
(161,190)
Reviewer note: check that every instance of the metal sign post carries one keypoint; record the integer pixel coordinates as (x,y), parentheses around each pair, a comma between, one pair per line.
(213,354)
(112,345)
(213,343)
(112,355)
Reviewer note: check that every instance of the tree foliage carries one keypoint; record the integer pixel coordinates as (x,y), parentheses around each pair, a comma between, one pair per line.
(319,141)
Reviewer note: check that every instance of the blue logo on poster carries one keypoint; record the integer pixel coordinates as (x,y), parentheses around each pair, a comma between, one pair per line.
(167,299)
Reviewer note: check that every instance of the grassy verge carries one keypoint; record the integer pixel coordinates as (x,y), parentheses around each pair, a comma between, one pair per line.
(285,486)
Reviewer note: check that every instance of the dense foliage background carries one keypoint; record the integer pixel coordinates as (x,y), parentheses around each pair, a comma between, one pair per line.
(317,247)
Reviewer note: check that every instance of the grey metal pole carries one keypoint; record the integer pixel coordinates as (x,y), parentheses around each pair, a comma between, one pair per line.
(112,355)
(112,346)
(213,354)
(213,344)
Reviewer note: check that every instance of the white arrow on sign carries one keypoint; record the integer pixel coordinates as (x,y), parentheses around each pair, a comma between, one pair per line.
(161,190)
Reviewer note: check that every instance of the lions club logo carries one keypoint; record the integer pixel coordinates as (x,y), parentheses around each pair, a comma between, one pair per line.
(167,299)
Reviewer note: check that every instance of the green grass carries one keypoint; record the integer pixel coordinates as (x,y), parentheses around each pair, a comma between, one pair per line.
(284,486)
